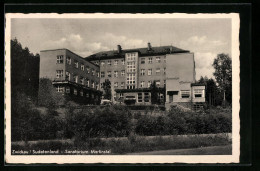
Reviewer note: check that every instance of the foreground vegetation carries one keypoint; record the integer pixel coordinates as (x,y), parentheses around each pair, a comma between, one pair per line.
(31,123)
(132,143)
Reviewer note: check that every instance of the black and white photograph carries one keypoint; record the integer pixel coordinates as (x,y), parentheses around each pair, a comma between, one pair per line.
(122,88)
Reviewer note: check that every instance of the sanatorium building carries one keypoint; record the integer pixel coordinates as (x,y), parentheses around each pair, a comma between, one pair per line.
(130,71)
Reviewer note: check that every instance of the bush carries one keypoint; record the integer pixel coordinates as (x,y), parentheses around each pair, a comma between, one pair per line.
(179,122)
(111,121)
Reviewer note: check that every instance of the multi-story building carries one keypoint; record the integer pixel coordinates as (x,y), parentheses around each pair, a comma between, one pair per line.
(132,71)
(71,75)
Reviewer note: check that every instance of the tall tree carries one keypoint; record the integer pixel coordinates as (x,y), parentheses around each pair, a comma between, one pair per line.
(223,74)
(24,70)
(107,88)
(154,93)
(212,94)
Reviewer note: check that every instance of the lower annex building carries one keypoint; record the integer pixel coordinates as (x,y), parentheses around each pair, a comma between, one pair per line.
(131,73)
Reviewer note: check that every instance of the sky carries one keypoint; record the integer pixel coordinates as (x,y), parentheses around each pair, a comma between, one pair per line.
(204,37)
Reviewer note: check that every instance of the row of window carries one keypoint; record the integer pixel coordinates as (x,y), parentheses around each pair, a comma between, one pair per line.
(109,62)
(132,82)
(109,74)
(130,58)
(67,90)
(150,71)
(186,93)
(116,73)
(150,60)
(76,65)
(77,79)
(140,97)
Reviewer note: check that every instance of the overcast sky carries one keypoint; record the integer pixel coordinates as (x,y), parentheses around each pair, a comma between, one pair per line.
(205,37)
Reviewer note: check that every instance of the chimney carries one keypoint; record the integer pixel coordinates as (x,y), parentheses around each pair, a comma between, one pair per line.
(149,47)
(119,49)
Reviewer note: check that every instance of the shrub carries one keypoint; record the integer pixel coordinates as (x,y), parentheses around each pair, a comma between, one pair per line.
(99,122)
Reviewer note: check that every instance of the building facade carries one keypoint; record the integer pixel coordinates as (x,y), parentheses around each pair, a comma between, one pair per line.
(132,71)
(71,75)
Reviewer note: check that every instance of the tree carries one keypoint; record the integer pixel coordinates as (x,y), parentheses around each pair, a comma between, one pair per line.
(154,93)
(48,96)
(24,71)
(223,74)
(107,88)
(212,95)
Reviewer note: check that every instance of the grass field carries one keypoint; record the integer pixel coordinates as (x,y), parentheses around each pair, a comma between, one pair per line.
(132,144)
(212,150)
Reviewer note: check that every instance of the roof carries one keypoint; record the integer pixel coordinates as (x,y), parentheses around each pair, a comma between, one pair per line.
(198,84)
(162,50)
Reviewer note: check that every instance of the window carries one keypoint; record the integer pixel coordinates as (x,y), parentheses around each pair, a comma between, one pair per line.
(158,70)
(131,56)
(121,95)
(67,89)
(115,73)
(59,73)
(116,84)
(67,76)
(98,74)
(158,83)
(109,73)
(59,89)
(93,72)
(142,60)
(123,62)
(150,60)
(158,59)
(88,69)
(116,62)
(130,79)
(68,60)
(164,71)
(146,97)
(96,62)
(170,98)
(87,95)
(87,82)
(81,93)
(97,85)
(140,97)
(59,59)
(102,63)
(123,73)
(82,67)
(93,84)
(109,62)
(122,84)
(75,78)
(82,80)
(75,92)
(102,74)
(150,71)
(142,84)
(130,66)
(164,82)
(198,93)
(149,84)
(76,64)
(92,96)
(142,71)
(131,87)
(185,93)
